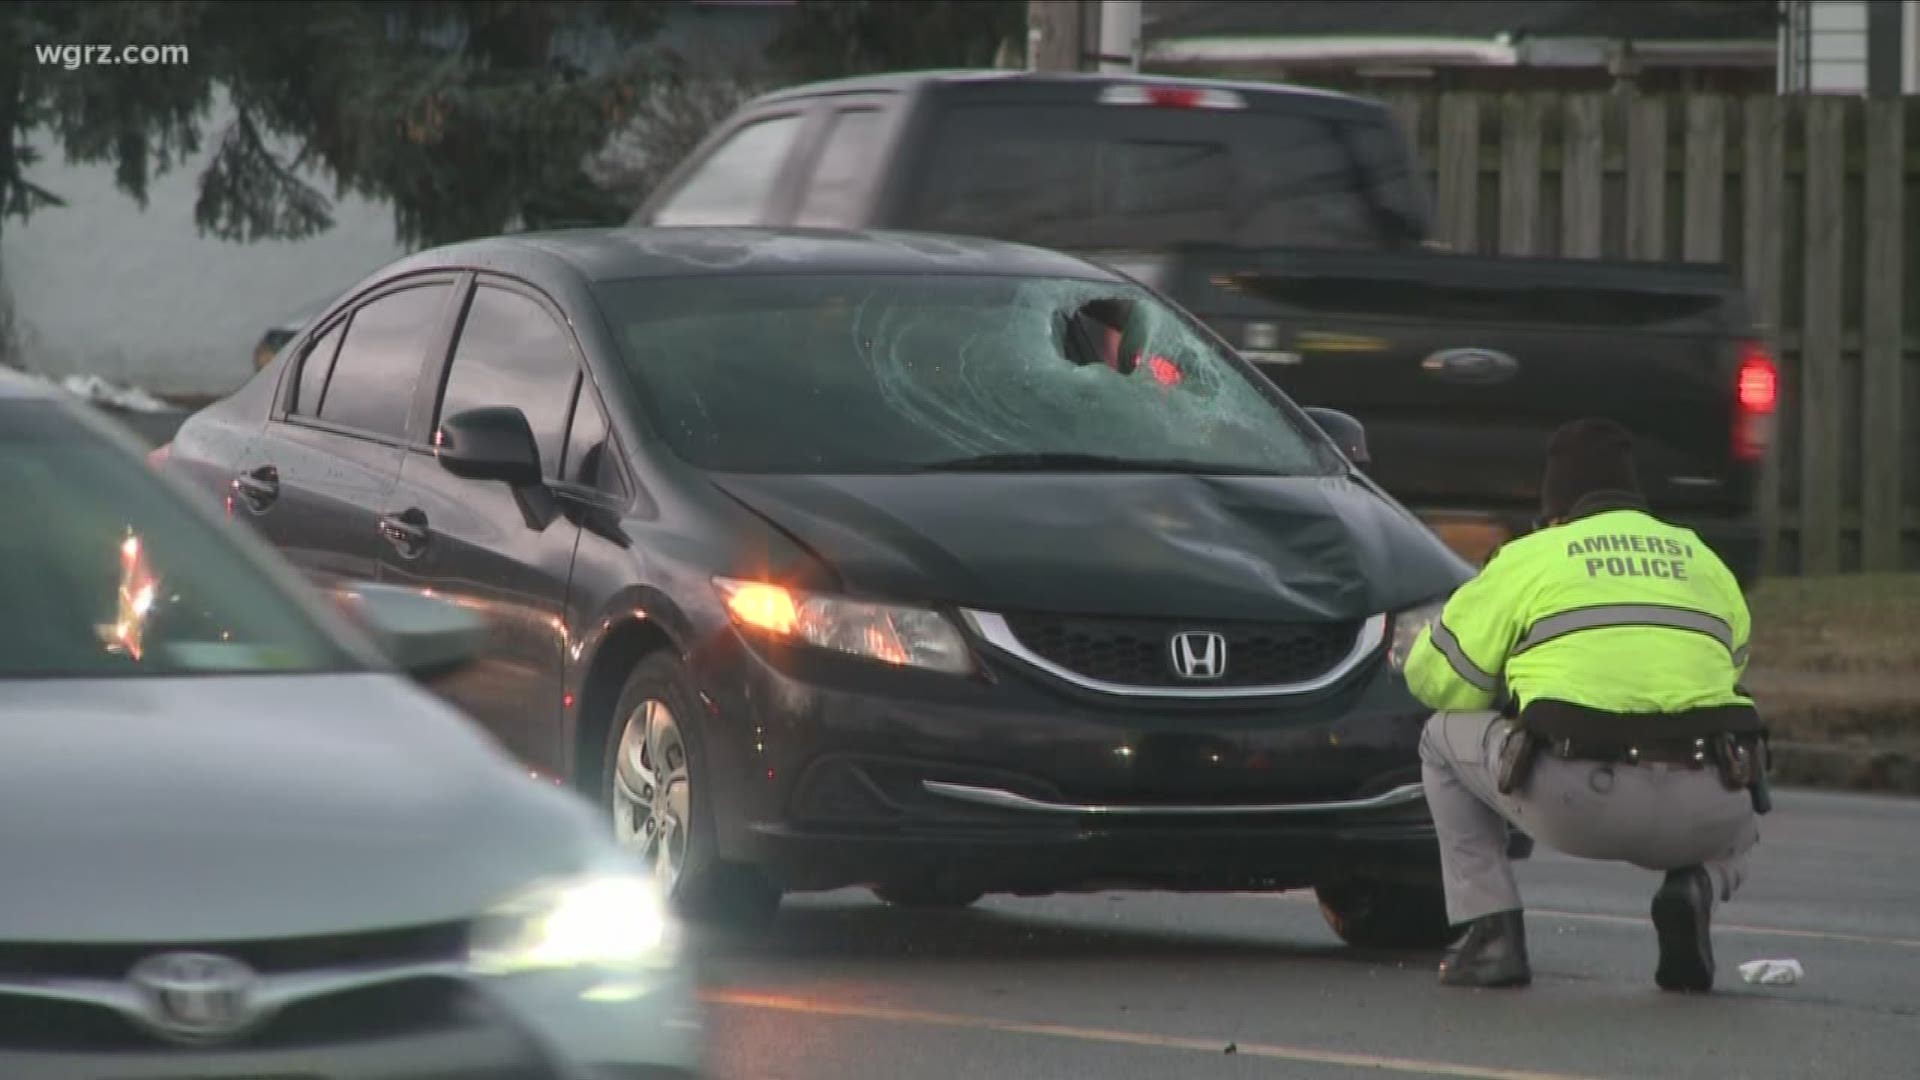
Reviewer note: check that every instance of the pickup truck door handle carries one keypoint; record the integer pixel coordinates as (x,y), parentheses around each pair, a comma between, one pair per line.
(407,532)
(258,489)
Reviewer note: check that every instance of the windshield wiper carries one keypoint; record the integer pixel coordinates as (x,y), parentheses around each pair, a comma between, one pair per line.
(1064,462)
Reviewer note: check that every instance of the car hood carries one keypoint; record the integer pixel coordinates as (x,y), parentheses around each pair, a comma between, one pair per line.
(1175,545)
(215,809)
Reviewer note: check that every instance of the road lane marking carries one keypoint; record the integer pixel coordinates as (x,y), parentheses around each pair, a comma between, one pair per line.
(1739,928)
(1634,920)
(1273,1051)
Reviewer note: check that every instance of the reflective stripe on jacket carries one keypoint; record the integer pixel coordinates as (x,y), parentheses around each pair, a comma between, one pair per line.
(1616,611)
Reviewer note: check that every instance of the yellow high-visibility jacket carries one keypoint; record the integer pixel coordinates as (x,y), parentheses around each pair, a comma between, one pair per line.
(1616,611)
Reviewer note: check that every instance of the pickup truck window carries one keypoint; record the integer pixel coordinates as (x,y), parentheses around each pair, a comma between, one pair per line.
(845,161)
(833,373)
(732,186)
(1102,176)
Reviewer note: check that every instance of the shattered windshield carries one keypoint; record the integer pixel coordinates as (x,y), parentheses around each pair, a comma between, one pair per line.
(903,373)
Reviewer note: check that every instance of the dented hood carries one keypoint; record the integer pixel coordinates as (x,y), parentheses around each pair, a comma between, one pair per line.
(1220,547)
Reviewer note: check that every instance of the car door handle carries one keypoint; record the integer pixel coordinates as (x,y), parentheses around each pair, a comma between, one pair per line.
(407,532)
(258,489)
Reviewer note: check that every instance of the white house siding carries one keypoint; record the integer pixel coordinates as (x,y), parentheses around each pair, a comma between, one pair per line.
(102,287)
(1837,47)
(1910,67)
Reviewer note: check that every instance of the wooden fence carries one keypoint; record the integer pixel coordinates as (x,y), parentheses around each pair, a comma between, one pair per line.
(1813,201)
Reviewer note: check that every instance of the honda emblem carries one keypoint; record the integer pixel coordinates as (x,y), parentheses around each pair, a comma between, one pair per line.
(1199,654)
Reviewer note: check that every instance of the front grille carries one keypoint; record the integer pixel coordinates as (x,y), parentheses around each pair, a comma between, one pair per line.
(410,945)
(1139,652)
(373,1013)
(417,1005)
(389,1010)
(31,1023)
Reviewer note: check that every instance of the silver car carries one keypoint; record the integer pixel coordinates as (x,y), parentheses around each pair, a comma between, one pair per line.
(236,839)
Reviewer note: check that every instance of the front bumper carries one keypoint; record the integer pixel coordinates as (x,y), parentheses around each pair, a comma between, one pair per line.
(1193,856)
(831,772)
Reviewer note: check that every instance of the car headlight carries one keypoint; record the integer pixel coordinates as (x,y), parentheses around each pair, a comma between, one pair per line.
(908,636)
(1406,629)
(610,921)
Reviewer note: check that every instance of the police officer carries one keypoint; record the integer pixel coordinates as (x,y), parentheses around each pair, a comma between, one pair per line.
(1587,688)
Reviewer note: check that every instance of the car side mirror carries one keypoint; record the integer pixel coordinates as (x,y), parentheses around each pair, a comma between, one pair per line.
(494,443)
(1348,433)
(425,637)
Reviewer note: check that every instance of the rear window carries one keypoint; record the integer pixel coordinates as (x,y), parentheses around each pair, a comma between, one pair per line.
(1118,176)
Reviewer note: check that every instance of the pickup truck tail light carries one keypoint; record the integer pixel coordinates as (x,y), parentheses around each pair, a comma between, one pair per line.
(1171,97)
(1756,397)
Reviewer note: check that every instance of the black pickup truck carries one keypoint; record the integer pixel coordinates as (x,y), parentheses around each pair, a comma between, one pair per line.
(1294,223)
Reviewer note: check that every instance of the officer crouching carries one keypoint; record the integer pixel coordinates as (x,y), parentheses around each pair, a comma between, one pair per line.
(1588,688)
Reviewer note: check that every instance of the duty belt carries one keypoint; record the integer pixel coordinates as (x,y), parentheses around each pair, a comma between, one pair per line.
(1730,740)
(1690,752)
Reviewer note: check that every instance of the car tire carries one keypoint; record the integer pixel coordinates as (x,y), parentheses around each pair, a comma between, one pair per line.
(1370,914)
(655,789)
(927,895)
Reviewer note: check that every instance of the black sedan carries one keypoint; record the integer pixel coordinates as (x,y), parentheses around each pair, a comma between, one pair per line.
(935,566)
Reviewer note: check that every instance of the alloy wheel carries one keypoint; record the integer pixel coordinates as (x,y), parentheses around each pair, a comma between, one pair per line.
(652,791)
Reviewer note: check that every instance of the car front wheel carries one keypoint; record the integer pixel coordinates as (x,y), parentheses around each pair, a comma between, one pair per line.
(1370,914)
(655,788)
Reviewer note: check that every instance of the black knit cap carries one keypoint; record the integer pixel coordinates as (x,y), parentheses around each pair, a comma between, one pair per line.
(1585,458)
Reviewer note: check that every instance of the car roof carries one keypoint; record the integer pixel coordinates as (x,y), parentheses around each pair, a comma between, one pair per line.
(907,81)
(615,254)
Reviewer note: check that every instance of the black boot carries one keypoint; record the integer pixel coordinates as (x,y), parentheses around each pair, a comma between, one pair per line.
(1493,954)
(1682,917)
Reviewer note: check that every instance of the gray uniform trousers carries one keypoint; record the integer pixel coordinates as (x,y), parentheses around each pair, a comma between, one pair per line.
(1657,817)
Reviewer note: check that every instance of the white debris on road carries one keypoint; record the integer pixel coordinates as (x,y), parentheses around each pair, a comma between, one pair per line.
(1772,972)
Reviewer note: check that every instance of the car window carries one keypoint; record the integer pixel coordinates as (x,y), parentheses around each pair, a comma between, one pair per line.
(1108,176)
(511,351)
(845,162)
(733,185)
(588,446)
(314,369)
(120,577)
(371,388)
(832,373)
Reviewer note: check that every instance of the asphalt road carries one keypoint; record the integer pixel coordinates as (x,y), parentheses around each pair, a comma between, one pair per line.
(1134,985)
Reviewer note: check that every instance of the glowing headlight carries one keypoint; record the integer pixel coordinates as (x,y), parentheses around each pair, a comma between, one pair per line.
(912,637)
(612,921)
(1406,628)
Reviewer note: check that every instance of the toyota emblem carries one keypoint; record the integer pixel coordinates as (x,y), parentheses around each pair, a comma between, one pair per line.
(194,997)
